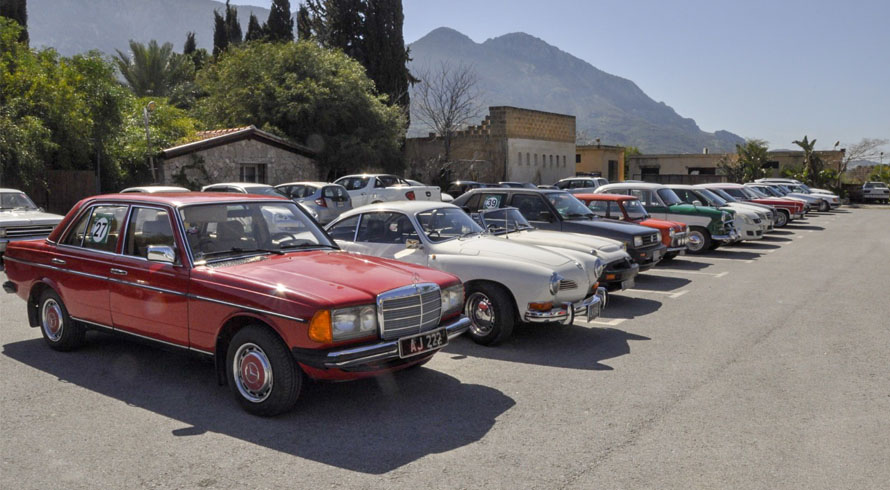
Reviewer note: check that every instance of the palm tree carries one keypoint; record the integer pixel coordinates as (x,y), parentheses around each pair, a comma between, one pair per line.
(153,70)
(811,162)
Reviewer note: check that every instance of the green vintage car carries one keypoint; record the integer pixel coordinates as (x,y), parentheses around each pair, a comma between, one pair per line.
(708,227)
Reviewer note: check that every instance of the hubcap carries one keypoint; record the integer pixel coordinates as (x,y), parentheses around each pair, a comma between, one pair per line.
(51,320)
(696,241)
(481,313)
(781,219)
(253,373)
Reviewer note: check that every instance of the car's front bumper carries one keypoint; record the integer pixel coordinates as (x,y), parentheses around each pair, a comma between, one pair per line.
(565,313)
(647,257)
(372,357)
(618,274)
(731,236)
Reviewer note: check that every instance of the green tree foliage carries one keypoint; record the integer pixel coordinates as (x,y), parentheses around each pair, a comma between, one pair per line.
(386,57)
(226,30)
(812,164)
(66,113)
(304,23)
(748,163)
(255,31)
(190,49)
(280,24)
(16,10)
(306,93)
(880,173)
(154,70)
(233,27)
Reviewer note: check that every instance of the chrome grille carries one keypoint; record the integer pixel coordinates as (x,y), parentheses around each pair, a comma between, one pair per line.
(29,231)
(679,240)
(651,239)
(409,310)
(567,284)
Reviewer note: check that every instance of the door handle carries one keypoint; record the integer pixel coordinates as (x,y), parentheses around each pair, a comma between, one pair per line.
(57,261)
(119,272)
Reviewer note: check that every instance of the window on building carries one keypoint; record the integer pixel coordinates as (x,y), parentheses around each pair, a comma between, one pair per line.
(613,170)
(563,161)
(577,158)
(519,160)
(253,173)
(551,161)
(536,159)
(528,159)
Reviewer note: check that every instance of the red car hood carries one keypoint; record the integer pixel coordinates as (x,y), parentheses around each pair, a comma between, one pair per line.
(779,202)
(324,278)
(662,224)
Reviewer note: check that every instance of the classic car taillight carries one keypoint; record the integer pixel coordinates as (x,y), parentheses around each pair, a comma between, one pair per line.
(410,195)
(321,202)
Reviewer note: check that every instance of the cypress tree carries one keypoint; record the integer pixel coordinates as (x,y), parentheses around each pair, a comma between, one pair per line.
(190,45)
(220,34)
(17,10)
(280,25)
(386,54)
(254,30)
(233,27)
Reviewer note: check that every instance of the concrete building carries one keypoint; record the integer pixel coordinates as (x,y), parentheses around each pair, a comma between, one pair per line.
(510,144)
(600,160)
(702,167)
(237,155)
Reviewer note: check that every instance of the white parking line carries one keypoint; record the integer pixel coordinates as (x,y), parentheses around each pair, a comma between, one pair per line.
(611,323)
(670,294)
(680,271)
(740,261)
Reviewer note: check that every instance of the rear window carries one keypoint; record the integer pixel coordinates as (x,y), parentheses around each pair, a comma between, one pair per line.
(353,183)
(298,191)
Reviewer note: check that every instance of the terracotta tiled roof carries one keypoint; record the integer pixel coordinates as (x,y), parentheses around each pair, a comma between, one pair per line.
(213,133)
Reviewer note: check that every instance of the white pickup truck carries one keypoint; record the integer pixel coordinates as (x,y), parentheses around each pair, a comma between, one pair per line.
(373,188)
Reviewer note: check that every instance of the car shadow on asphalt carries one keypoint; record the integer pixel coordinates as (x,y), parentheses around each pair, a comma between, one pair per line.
(776,239)
(371,426)
(560,346)
(651,281)
(792,226)
(733,254)
(686,264)
(754,245)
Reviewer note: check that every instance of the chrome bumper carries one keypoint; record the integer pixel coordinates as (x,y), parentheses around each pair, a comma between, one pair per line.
(733,236)
(590,307)
(357,356)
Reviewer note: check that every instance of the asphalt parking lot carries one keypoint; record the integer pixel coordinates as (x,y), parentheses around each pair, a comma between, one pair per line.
(762,365)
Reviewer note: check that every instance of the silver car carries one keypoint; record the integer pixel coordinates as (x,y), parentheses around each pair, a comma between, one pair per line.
(326,200)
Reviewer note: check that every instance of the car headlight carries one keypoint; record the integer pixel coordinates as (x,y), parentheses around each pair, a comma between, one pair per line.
(672,232)
(598,268)
(748,220)
(554,283)
(638,241)
(624,246)
(354,322)
(452,299)
(724,217)
(2,232)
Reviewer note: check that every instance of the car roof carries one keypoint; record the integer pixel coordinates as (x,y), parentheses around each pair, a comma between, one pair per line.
(581,177)
(316,184)
(184,198)
(6,189)
(513,190)
(680,186)
(605,197)
(724,185)
(369,175)
(155,188)
(403,206)
(634,185)
(238,184)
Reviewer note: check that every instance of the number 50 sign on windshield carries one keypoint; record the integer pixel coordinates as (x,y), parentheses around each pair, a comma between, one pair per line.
(100,227)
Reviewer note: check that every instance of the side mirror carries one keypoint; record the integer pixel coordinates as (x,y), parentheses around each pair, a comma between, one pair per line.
(161,253)
(696,203)
(545,216)
(413,244)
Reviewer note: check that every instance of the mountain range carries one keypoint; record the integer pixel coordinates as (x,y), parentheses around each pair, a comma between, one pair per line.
(524,71)
(514,69)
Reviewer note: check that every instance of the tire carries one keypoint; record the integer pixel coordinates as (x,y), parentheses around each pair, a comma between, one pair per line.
(261,372)
(782,218)
(699,240)
(824,207)
(714,245)
(59,331)
(492,316)
(669,256)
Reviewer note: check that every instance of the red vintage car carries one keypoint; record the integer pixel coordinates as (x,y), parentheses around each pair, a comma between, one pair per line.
(674,235)
(250,280)
(788,209)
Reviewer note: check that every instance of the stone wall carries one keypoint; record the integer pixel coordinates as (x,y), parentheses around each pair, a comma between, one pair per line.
(223,164)
(477,157)
(595,159)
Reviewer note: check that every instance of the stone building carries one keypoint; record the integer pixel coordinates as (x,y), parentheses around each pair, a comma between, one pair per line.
(243,154)
(511,144)
(702,167)
(601,161)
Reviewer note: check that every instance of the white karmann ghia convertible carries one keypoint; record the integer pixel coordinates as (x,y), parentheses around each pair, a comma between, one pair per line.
(505,281)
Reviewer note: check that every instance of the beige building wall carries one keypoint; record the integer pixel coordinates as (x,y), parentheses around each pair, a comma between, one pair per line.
(223,164)
(686,164)
(595,159)
(539,162)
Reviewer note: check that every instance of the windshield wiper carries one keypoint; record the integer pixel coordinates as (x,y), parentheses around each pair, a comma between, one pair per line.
(307,245)
(242,250)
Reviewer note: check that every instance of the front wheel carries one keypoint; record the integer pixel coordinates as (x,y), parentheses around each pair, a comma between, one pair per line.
(58,330)
(491,314)
(824,206)
(782,218)
(261,372)
(699,240)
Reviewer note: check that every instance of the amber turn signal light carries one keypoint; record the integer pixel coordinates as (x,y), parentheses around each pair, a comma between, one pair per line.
(541,306)
(320,327)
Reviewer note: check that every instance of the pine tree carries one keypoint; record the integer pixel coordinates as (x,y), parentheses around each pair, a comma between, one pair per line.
(280,25)
(220,34)
(233,27)
(304,24)
(190,45)
(254,30)
(386,54)
(17,10)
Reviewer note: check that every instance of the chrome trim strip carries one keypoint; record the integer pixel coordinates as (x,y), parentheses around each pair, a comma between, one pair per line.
(248,308)
(52,267)
(152,339)
(100,325)
(146,286)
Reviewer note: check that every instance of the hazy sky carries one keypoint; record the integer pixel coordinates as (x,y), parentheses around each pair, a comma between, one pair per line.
(774,70)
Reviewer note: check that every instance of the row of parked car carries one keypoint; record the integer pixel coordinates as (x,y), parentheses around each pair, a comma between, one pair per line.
(248,275)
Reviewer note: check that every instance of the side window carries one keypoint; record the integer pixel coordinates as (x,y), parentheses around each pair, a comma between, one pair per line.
(530,205)
(385,228)
(473,202)
(75,236)
(147,226)
(491,201)
(344,230)
(615,211)
(104,228)
(600,208)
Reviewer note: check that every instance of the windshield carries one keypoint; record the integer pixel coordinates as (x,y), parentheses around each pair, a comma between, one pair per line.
(568,206)
(669,197)
(711,197)
(724,195)
(634,209)
(16,200)
(504,220)
(752,194)
(223,231)
(264,191)
(875,185)
(444,224)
